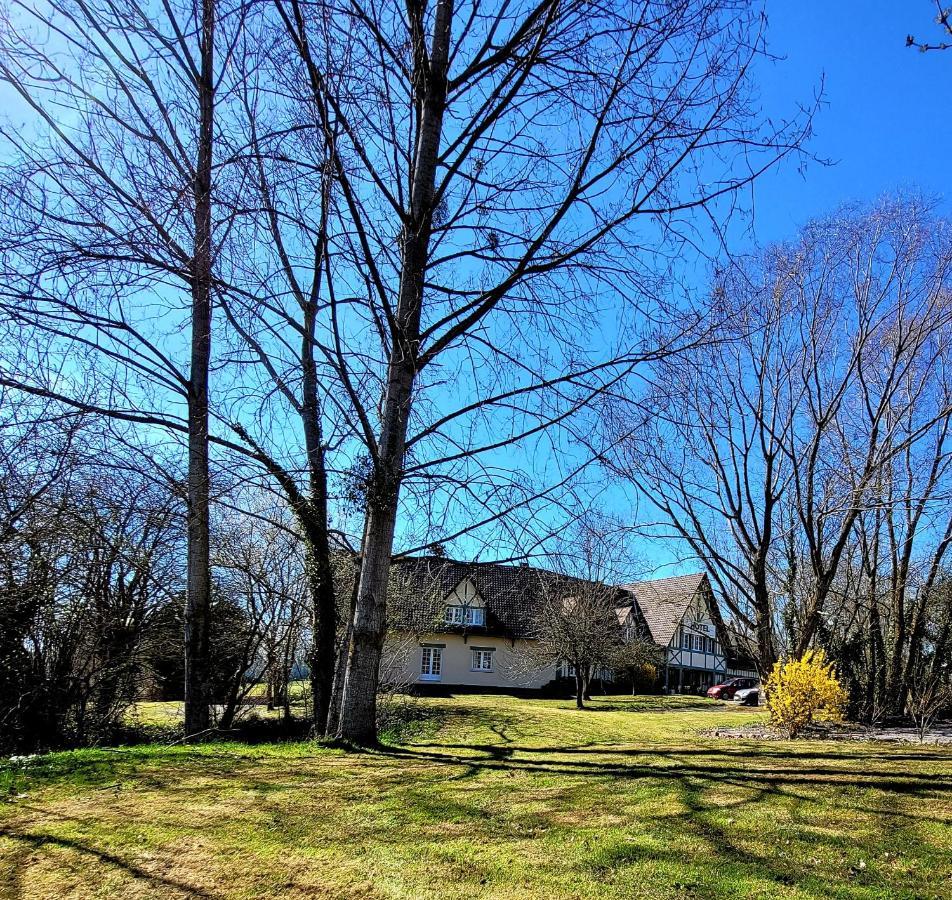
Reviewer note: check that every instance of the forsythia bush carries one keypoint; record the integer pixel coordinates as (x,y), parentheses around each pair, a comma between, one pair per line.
(803,691)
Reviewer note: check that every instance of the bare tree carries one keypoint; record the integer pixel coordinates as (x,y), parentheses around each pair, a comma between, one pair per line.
(763,449)
(583,623)
(576,626)
(86,561)
(257,565)
(111,215)
(406,198)
(707,447)
(493,167)
(929,697)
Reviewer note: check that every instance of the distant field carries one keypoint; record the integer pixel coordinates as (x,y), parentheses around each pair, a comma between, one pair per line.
(170,713)
(491,797)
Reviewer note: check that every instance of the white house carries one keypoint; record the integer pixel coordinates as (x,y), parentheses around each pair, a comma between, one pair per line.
(682,617)
(469,625)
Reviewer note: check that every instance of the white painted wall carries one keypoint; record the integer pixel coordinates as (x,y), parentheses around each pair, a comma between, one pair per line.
(403,656)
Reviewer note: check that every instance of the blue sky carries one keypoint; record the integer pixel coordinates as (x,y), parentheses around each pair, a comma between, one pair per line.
(886,120)
(885,125)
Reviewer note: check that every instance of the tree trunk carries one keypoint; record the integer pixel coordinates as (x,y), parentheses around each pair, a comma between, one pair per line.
(766,648)
(812,619)
(766,645)
(229,711)
(271,675)
(340,668)
(579,689)
(322,662)
(320,572)
(198,601)
(358,711)
(358,718)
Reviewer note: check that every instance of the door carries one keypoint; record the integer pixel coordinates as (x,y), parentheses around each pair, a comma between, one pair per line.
(432,665)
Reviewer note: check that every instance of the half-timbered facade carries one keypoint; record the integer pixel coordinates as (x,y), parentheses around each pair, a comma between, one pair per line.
(682,617)
(456,624)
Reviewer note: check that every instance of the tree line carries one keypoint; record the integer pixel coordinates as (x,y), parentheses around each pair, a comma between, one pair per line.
(803,454)
(92,590)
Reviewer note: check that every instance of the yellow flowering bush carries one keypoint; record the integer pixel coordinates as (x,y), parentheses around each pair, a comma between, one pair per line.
(803,691)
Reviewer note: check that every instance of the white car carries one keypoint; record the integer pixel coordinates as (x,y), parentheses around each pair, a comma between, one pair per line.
(748,696)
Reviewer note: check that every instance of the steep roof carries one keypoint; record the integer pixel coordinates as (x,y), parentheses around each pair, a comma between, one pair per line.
(512,594)
(664,601)
(420,585)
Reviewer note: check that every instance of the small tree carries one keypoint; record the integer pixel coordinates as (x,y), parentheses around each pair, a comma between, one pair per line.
(802,691)
(576,624)
(928,698)
(638,658)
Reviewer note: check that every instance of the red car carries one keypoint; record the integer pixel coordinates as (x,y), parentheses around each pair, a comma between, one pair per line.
(730,687)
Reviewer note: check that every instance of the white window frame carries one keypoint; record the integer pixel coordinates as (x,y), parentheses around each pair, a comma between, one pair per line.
(431,664)
(474,615)
(464,614)
(483,659)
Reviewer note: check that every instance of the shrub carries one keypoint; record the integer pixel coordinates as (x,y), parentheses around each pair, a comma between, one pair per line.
(803,691)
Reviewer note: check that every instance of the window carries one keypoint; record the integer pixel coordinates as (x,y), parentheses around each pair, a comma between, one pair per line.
(692,642)
(475,615)
(465,615)
(432,663)
(482,659)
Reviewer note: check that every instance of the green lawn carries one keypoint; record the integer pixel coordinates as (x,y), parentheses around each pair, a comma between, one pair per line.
(494,797)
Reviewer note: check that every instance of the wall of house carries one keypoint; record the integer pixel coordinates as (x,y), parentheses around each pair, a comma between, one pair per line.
(403,658)
(696,622)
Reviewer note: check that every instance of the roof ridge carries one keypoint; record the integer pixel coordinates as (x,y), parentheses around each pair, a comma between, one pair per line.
(691,575)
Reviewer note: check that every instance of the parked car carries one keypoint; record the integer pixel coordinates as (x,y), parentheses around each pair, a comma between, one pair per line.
(748,696)
(730,687)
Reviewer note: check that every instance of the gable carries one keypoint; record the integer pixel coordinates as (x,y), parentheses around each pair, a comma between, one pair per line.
(421,588)
(697,617)
(664,602)
(465,594)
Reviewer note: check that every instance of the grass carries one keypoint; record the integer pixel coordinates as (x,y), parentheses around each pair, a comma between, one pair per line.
(495,797)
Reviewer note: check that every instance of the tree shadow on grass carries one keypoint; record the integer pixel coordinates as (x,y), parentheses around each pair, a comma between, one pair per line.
(730,858)
(733,752)
(699,840)
(39,841)
(416,802)
(772,779)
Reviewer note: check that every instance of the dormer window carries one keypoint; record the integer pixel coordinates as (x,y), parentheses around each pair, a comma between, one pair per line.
(465,615)
(464,606)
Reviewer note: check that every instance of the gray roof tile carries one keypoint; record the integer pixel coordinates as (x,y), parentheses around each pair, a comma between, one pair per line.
(512,594)
(664,601)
